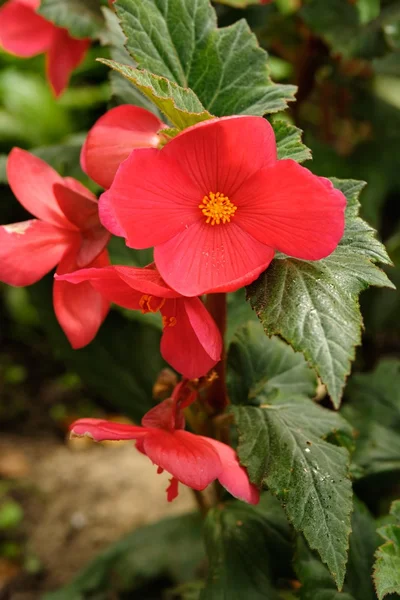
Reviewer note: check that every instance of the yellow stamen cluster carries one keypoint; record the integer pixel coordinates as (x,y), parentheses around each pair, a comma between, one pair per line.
(217,208)
(146,306)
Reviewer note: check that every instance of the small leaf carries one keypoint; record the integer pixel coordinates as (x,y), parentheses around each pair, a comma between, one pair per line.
(281,444)
(171,548)
(288,141)
(374,410)
(180,105)
(387,564)
(176,38)
(82,19)
(243,544)
(259,366)
(314,306)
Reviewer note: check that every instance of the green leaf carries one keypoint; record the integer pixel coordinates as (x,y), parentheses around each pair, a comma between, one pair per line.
(239,313)
(244,544)
(122,362)
(374,410)
(282,445)
(259,366)
(313,305)
(317,584)
(368,9)
(175,39)
(82,19)
(288,141)
(180,105)
(3,171)
(171,548)
(238,3)
(387,564)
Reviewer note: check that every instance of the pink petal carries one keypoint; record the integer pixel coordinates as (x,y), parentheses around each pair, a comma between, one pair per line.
(188,457)
(31,249)
(152,198)
(32,181)
(22,31)
(291,210)
(205,259)
(234,477)
(100,430)
(80,309)
(107,215)
(114,136)
(64,55)
(220,154)
(191,341)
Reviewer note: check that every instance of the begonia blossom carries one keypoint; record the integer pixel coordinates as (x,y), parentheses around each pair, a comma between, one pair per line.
(191,341)
(216,203)
(25,33)
(191,459)
(113,137)
(67,232)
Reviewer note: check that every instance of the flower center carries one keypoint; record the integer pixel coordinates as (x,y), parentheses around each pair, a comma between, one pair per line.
(217,208)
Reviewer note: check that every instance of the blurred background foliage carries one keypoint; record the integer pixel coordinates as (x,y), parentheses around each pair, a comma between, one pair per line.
(344,56)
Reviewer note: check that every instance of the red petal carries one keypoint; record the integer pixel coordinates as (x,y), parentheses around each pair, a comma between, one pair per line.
(107,215)
(204,259)
(234,477)
(220,154)
(79,188)
(78,209)
(172,489)
(188,457)
(22,31)
(100,430)
(64,55)
(32,181)
(80,309)
(153,198)
(292,210)
(191,341)
(114,136)
(31,249)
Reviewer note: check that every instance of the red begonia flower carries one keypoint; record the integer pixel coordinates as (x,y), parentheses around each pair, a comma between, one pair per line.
(191,341)
(216,203)
(67,232)
(191,459)
(25,33)
(114,136)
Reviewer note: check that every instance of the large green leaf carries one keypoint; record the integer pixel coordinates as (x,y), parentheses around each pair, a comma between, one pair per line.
(258,366)
(244,546)
(180,105)
(387,564)
(288,141)
(374,410)
(122,362)
(314,305)
(171,548)
(281,442)
(81,18)
(225,68)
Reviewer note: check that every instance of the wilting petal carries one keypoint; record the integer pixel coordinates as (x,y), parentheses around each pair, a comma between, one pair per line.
(32,181)
(22,31)
(188,457)
(205,259)
(114,136)
(291,210)
(80,309)
(234,477)
(100,430)
(152,198)
(64,55)
(191,341)
(220,154)
(31,249)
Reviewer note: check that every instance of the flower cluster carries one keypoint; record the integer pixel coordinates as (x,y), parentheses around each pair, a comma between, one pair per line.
(215,203)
